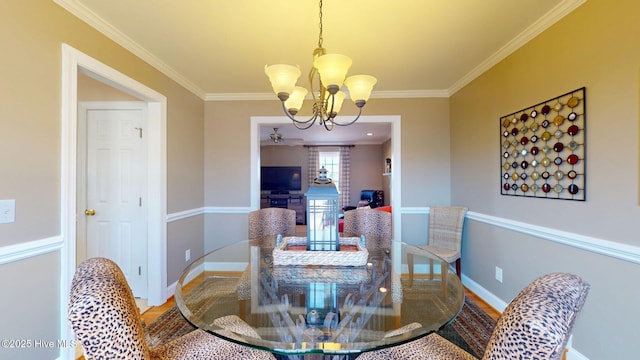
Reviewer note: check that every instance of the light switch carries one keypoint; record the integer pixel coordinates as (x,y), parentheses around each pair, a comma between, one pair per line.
(7,211)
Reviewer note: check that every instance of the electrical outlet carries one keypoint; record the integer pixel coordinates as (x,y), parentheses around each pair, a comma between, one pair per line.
(499,274)
(7,211)
(187,255)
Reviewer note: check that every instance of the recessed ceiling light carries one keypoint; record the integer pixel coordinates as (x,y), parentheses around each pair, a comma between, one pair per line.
(369,134)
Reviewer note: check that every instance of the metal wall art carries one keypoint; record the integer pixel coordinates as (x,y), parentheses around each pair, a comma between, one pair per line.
(542,149)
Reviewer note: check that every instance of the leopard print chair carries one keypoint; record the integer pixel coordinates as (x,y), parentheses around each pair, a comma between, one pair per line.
(265,224)
(372,223)
(535,325)
(106,322)
(271,222)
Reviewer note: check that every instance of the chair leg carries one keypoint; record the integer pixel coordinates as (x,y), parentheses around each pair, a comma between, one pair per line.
(410,266)
(458,270)
(444,276)
(431,269)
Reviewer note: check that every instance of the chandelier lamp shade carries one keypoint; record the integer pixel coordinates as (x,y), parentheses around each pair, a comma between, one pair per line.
(328,74)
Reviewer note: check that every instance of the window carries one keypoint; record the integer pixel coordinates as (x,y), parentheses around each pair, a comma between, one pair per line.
(331,161)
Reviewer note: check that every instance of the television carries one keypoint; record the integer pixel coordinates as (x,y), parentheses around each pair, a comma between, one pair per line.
(280,179)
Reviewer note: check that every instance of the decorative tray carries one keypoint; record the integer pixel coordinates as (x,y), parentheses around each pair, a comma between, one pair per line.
(304,274)
(292,251)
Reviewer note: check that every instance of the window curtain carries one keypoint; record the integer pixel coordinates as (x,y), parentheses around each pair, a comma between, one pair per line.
(345,165)
(313,164)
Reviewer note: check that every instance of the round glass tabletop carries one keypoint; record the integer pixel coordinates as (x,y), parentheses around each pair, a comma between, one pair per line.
(390,299)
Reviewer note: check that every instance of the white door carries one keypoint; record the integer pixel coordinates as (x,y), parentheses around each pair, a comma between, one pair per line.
(115,212)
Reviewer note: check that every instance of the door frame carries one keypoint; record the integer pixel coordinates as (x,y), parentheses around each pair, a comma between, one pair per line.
(73,62)
(396,160)
(84,107)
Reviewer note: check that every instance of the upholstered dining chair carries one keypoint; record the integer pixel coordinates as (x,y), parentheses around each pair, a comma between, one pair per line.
(536,324)
(368,222)
(445,237)
(271,222)
(105,319)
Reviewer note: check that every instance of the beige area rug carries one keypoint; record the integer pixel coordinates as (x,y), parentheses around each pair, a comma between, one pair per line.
(172,324)
(470,330)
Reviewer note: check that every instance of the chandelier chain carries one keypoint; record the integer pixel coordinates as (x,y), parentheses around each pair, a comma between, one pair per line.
(320,39)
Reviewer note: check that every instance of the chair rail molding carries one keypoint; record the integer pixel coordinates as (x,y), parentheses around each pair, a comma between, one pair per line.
(613,249)
(609,248)
(29,249)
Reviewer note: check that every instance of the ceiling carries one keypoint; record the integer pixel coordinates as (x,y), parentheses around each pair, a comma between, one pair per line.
(415,48)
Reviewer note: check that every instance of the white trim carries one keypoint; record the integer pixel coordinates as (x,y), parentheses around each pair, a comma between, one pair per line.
(74,61)
(613,249)
(227,210)
(92,19)
(21,251)
(180,215)
(227,266)
(484,294)
(414,210)
(609,248)
(599,246)
(388,94)
(184,214)
(573,354)
(544,22)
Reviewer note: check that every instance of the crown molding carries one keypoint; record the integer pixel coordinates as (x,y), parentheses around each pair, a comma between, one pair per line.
(399,94)
(551,17)
(409,94)
(92,19)
(239,96)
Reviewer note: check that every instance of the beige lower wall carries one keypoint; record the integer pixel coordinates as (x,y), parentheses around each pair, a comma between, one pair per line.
(182,235)
(29,307)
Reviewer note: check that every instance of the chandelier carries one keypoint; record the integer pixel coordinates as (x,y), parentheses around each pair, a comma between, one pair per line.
(328,73)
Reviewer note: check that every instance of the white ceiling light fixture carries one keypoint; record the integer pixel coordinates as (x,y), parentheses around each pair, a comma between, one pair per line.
(276,137)
(330,70)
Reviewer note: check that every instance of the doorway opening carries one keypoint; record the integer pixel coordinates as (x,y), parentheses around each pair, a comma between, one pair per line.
(73,63)
(396,158)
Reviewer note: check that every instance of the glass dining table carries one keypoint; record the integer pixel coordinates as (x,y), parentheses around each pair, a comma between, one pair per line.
(245,294)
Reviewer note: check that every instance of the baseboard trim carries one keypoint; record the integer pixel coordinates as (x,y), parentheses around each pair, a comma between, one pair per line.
(484,294)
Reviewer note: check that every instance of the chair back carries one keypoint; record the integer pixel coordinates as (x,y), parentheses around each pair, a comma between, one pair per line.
(368,222)
(103,313)
(445,226)
(272,222)
(539,320)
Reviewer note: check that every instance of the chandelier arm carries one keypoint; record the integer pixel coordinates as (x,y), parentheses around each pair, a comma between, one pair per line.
(350,122)
(303,126)
(327,127)
(300,124)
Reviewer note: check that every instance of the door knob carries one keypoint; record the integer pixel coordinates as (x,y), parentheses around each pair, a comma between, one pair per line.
(89,212)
